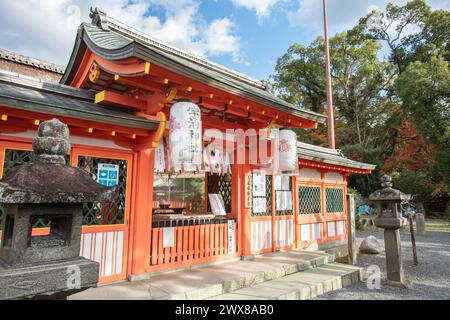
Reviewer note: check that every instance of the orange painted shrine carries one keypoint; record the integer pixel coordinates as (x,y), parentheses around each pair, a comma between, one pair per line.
(134,81)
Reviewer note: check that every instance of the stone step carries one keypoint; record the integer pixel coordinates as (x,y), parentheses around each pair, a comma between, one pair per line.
(231,277)
(302,285)
(211,281)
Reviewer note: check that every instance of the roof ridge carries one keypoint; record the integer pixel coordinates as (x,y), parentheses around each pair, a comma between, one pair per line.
(305,145)
(31,61)
(106,22)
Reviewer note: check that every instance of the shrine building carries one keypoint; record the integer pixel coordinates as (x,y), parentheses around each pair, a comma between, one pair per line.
(140,112)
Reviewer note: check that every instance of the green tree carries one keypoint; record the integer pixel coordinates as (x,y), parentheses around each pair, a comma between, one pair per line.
(424,89)
(394,28)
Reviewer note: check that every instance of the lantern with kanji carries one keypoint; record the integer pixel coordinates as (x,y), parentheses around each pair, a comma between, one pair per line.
(185,137)
(288,160)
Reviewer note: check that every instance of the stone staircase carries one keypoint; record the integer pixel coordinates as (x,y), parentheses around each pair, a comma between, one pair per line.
(302,285)
(294,275)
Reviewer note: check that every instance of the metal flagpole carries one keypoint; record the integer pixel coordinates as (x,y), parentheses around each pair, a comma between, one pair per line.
(331,140)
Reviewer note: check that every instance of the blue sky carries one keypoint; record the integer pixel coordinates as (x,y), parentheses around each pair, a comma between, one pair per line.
(245,35)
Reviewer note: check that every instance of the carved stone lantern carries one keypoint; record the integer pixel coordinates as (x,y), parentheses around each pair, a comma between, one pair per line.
(47,264)
(387,202)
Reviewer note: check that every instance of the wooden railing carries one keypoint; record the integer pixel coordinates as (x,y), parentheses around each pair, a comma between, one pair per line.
(196,243)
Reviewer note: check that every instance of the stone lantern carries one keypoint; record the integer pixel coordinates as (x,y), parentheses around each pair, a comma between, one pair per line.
(387,202)
(46,265)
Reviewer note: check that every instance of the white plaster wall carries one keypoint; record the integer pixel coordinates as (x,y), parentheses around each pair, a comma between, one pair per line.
(334,176)
(308,173)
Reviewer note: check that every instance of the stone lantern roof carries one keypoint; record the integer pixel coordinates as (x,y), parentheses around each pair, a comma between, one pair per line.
(388,193)
(48,179)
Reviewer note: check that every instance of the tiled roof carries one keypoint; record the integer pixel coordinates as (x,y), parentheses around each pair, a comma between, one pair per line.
(114,40)
(32,94)
(29,61)
(330,156)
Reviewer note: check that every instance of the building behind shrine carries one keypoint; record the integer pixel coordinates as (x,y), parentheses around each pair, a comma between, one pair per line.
(116,95)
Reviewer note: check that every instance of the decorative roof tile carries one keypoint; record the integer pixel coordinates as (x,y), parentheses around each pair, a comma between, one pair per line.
(29,61)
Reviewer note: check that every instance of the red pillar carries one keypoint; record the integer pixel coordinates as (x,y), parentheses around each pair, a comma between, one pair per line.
(245,214)
(140,225)
(236,202)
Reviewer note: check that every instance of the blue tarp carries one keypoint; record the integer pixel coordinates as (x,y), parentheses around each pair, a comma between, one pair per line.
(364,209)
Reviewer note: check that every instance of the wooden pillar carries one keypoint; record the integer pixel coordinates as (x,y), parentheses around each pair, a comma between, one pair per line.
(237,194)
(323,205)
(274,237)
(295,204)
(140,225)
(351,229)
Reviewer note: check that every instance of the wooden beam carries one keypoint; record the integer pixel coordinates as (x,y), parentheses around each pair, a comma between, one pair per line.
(106,97)
(141,83)
(30,116)
(128,68)
(237,111)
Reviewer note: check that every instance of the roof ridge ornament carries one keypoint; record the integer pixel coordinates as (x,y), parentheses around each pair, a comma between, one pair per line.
(96,18)
(52,142)
(386,181)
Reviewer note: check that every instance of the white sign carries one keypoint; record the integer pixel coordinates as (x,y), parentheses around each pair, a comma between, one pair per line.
(340,228)
(217,204)
(231,238)
(108,174)
(168,237)
(259,183)
(259,205)
(281,182)
(160,161)
(283,200)
(305,232)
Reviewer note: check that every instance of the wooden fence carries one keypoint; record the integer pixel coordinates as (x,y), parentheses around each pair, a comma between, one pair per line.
(190,244)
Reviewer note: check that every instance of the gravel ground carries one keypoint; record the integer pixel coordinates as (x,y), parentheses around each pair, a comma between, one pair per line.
(430,278)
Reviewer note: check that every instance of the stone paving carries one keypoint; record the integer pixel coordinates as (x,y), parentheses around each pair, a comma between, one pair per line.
(430,278)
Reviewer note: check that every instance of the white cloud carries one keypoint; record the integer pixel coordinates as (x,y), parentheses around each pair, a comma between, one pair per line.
(342,14)
(261,7)
(46,28)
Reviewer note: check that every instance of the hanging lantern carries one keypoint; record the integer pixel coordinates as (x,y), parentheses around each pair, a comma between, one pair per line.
(185,136)
(288,151)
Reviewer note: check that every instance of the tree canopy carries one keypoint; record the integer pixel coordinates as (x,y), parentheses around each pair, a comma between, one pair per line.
(392,111)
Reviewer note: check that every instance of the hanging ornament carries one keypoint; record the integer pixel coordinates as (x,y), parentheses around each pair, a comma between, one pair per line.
(185,136)
(288,160)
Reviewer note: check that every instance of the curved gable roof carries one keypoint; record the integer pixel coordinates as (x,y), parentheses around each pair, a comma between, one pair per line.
(113,40)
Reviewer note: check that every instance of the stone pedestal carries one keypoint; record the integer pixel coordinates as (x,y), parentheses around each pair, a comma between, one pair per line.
(393,248)
(57,279)
(420,224)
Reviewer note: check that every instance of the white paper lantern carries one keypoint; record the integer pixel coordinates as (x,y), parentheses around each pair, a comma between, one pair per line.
(185,136)
(288,160)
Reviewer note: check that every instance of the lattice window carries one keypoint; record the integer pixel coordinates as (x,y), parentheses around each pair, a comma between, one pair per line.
(268,199)
(334,198)
(285,212)
(13,158)
(309,200)
(220,184)
(105,213)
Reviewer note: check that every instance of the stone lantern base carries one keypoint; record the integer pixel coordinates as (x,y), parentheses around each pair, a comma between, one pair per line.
(55,280)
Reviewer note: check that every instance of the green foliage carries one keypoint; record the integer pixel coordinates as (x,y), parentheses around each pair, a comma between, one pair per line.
(394,113)
(425,91)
